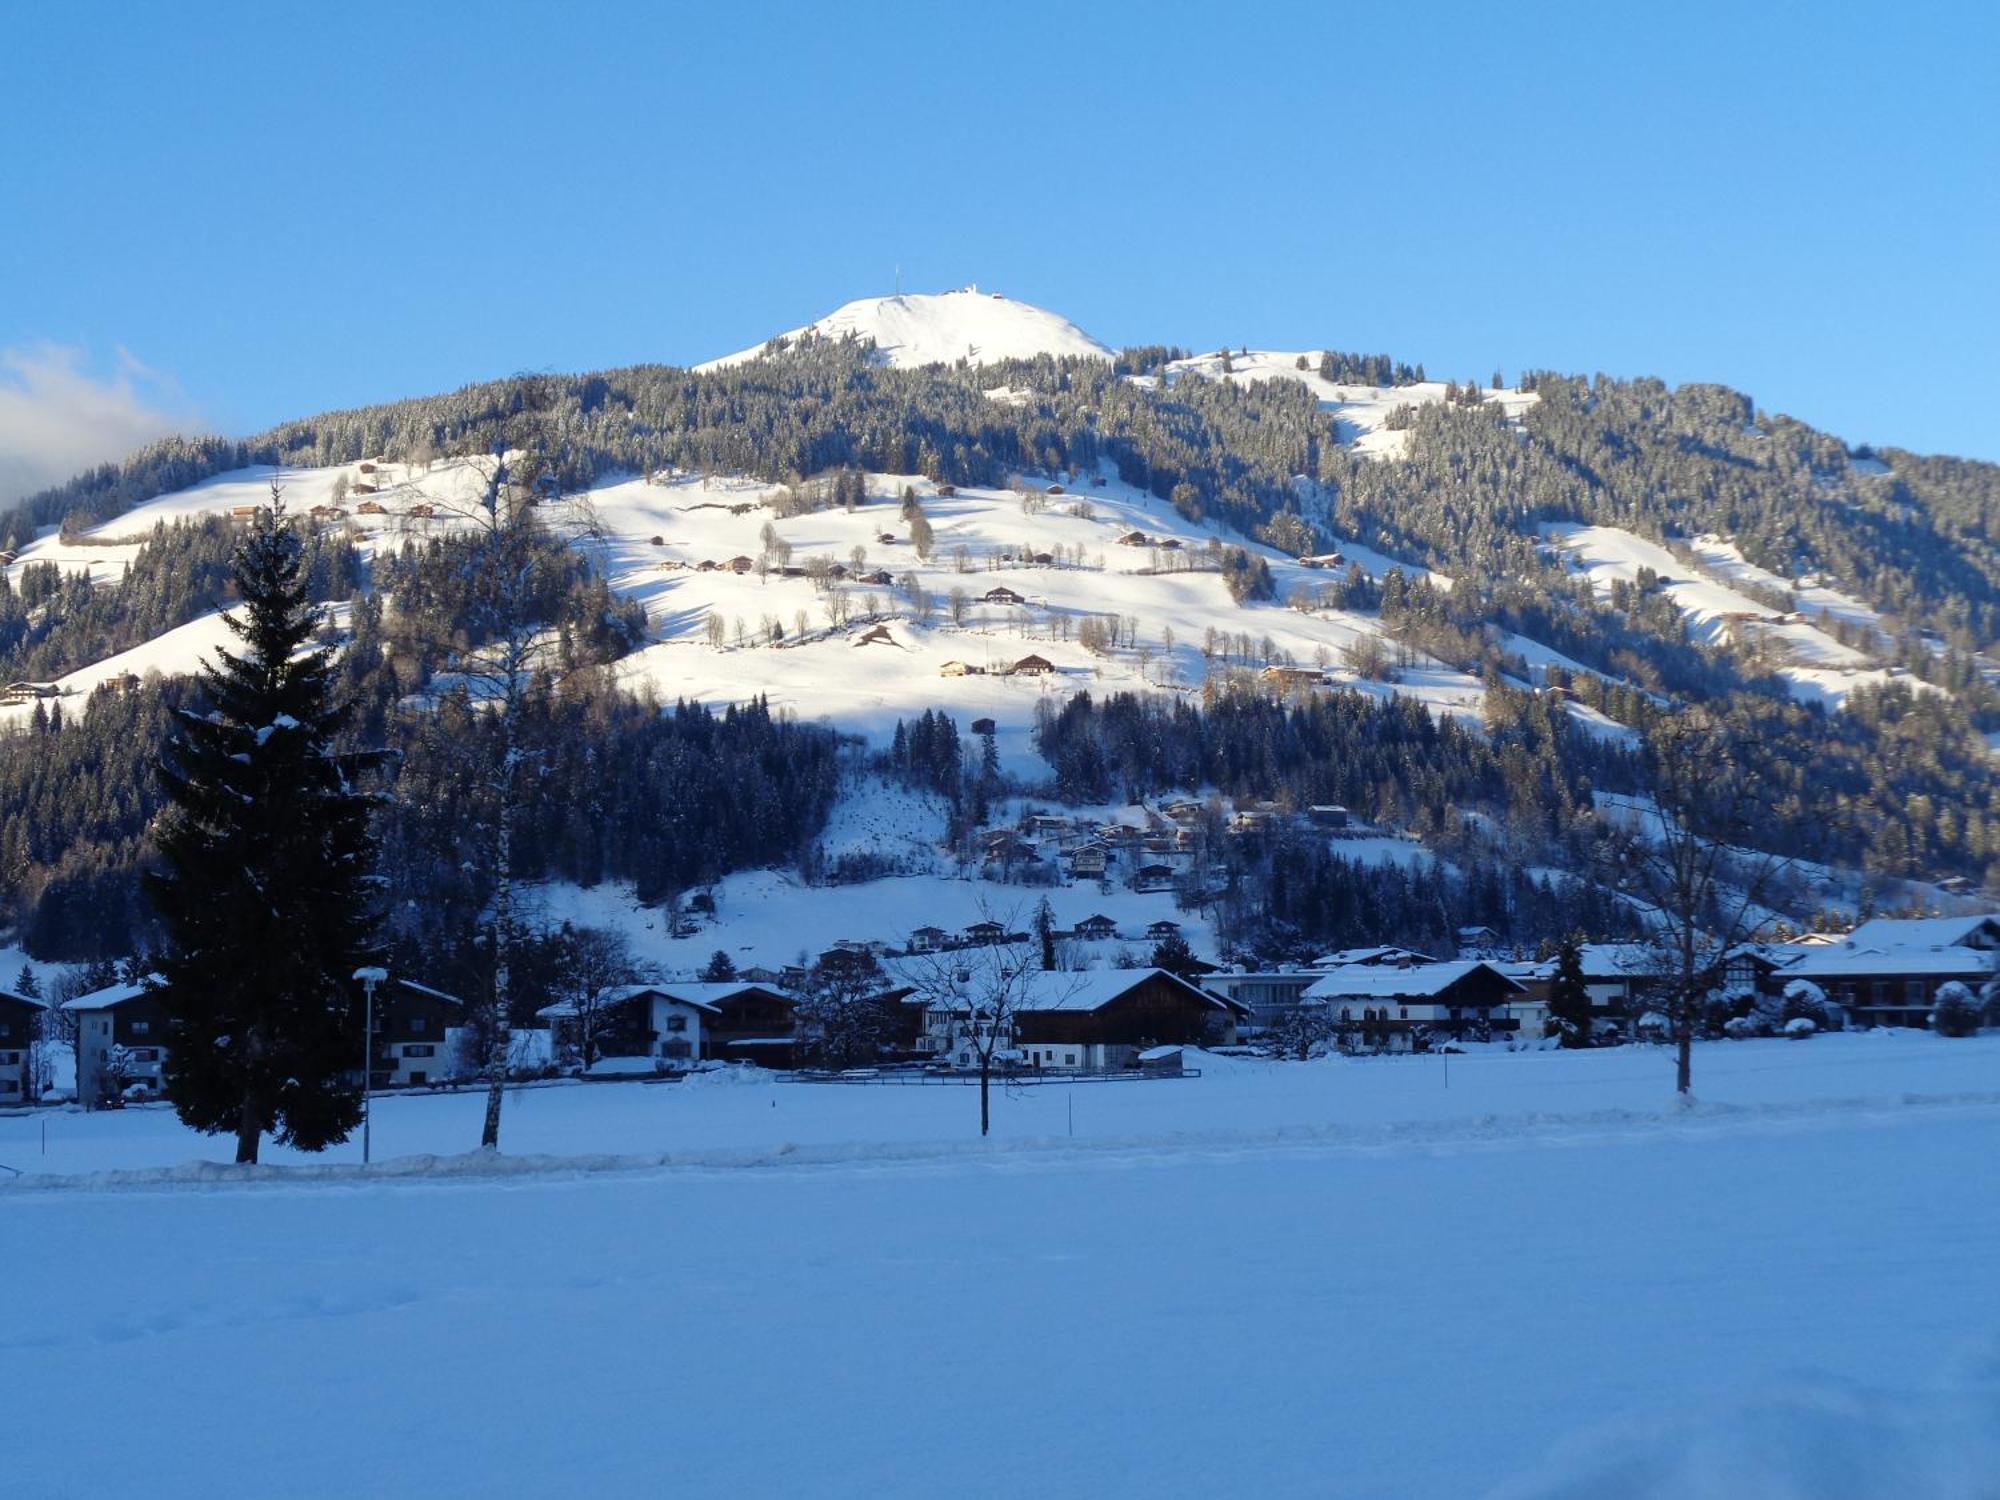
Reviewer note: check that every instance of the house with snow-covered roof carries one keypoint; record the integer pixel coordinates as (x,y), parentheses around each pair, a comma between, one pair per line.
(121,1035)
(1390,1008)
(20,1020)
(409,1047)
(1094,1020)
(675,1025)
(1888,971)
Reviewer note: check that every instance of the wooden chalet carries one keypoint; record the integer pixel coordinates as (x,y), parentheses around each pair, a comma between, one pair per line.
(1105,1018)
(1391,1008)
(1032,666)
(1888,972)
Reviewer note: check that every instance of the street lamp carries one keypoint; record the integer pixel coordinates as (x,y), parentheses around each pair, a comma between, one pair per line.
(369,977)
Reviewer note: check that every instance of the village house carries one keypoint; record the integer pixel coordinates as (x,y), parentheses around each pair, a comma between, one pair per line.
(752,1023)
(1001,595)
(981,934)
(1095,929)
(20,1019)
(410,1047)
(1266,998)
(676,1025)
(1292,677)
(1153,877)
(120,1040)
(1095,1021)
(1476,941)
(1134,539)
(1032,666)
(1328,815)
(1619,977)
(1384,1007)
(1089,862)
(928,940)
(1385,954)
(960,669)
(1888,971)
(1163,929)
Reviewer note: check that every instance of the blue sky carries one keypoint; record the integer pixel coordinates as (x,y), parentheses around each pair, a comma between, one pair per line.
(237,214)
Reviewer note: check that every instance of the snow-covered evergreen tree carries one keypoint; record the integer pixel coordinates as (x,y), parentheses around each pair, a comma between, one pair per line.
(265,893)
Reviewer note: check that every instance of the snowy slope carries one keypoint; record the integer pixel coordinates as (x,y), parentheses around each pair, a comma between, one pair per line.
(942,328)
(1361,410)
(1819,668)
(651,540)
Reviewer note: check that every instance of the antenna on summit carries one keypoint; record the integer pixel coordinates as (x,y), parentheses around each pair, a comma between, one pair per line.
(899,278)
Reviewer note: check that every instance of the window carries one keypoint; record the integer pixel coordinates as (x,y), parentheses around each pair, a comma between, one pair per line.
(6,1030)
(419,1049)
(9,1086)
(1070,1058)
(417,1025)
(1913,992)
(677,1023)
(1404,1010)
(1345,1014)
(140,1028)
(9,1059)
(676,1049)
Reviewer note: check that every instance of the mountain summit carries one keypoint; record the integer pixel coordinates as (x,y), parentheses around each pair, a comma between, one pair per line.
(925,328)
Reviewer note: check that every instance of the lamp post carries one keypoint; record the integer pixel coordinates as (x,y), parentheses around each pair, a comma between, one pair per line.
(369,977)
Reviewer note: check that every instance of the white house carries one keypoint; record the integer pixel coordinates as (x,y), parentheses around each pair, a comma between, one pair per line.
(663,1023)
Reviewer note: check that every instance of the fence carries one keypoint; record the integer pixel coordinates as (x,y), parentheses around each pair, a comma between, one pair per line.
(927,1076)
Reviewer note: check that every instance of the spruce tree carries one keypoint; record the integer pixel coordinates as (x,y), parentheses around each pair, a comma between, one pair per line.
(1569,1001)
(265,888)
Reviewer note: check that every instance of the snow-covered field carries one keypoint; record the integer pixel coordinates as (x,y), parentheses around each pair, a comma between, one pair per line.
(1332,1279)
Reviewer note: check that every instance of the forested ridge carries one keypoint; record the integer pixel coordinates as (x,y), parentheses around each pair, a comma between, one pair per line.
(672,796)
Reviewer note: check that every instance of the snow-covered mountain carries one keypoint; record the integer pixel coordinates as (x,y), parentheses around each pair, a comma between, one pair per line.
(941,328)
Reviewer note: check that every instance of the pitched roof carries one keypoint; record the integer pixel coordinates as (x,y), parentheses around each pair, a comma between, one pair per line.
(28,1000)
(708,996)
(115,995)
(1916,945)
(1382,982)
(1094,989)
(430,993)
(1920,932)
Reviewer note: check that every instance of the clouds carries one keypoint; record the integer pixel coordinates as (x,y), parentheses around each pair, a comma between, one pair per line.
(57,417)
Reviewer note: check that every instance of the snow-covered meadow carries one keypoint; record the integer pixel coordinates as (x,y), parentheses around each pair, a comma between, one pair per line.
(1527,1275)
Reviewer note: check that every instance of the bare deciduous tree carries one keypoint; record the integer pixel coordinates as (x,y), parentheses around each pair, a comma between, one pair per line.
(1686,853)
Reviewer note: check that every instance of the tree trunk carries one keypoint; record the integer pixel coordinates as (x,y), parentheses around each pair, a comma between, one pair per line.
(249,1132)
(500,1043)
(985,1109)
(1684,1060)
